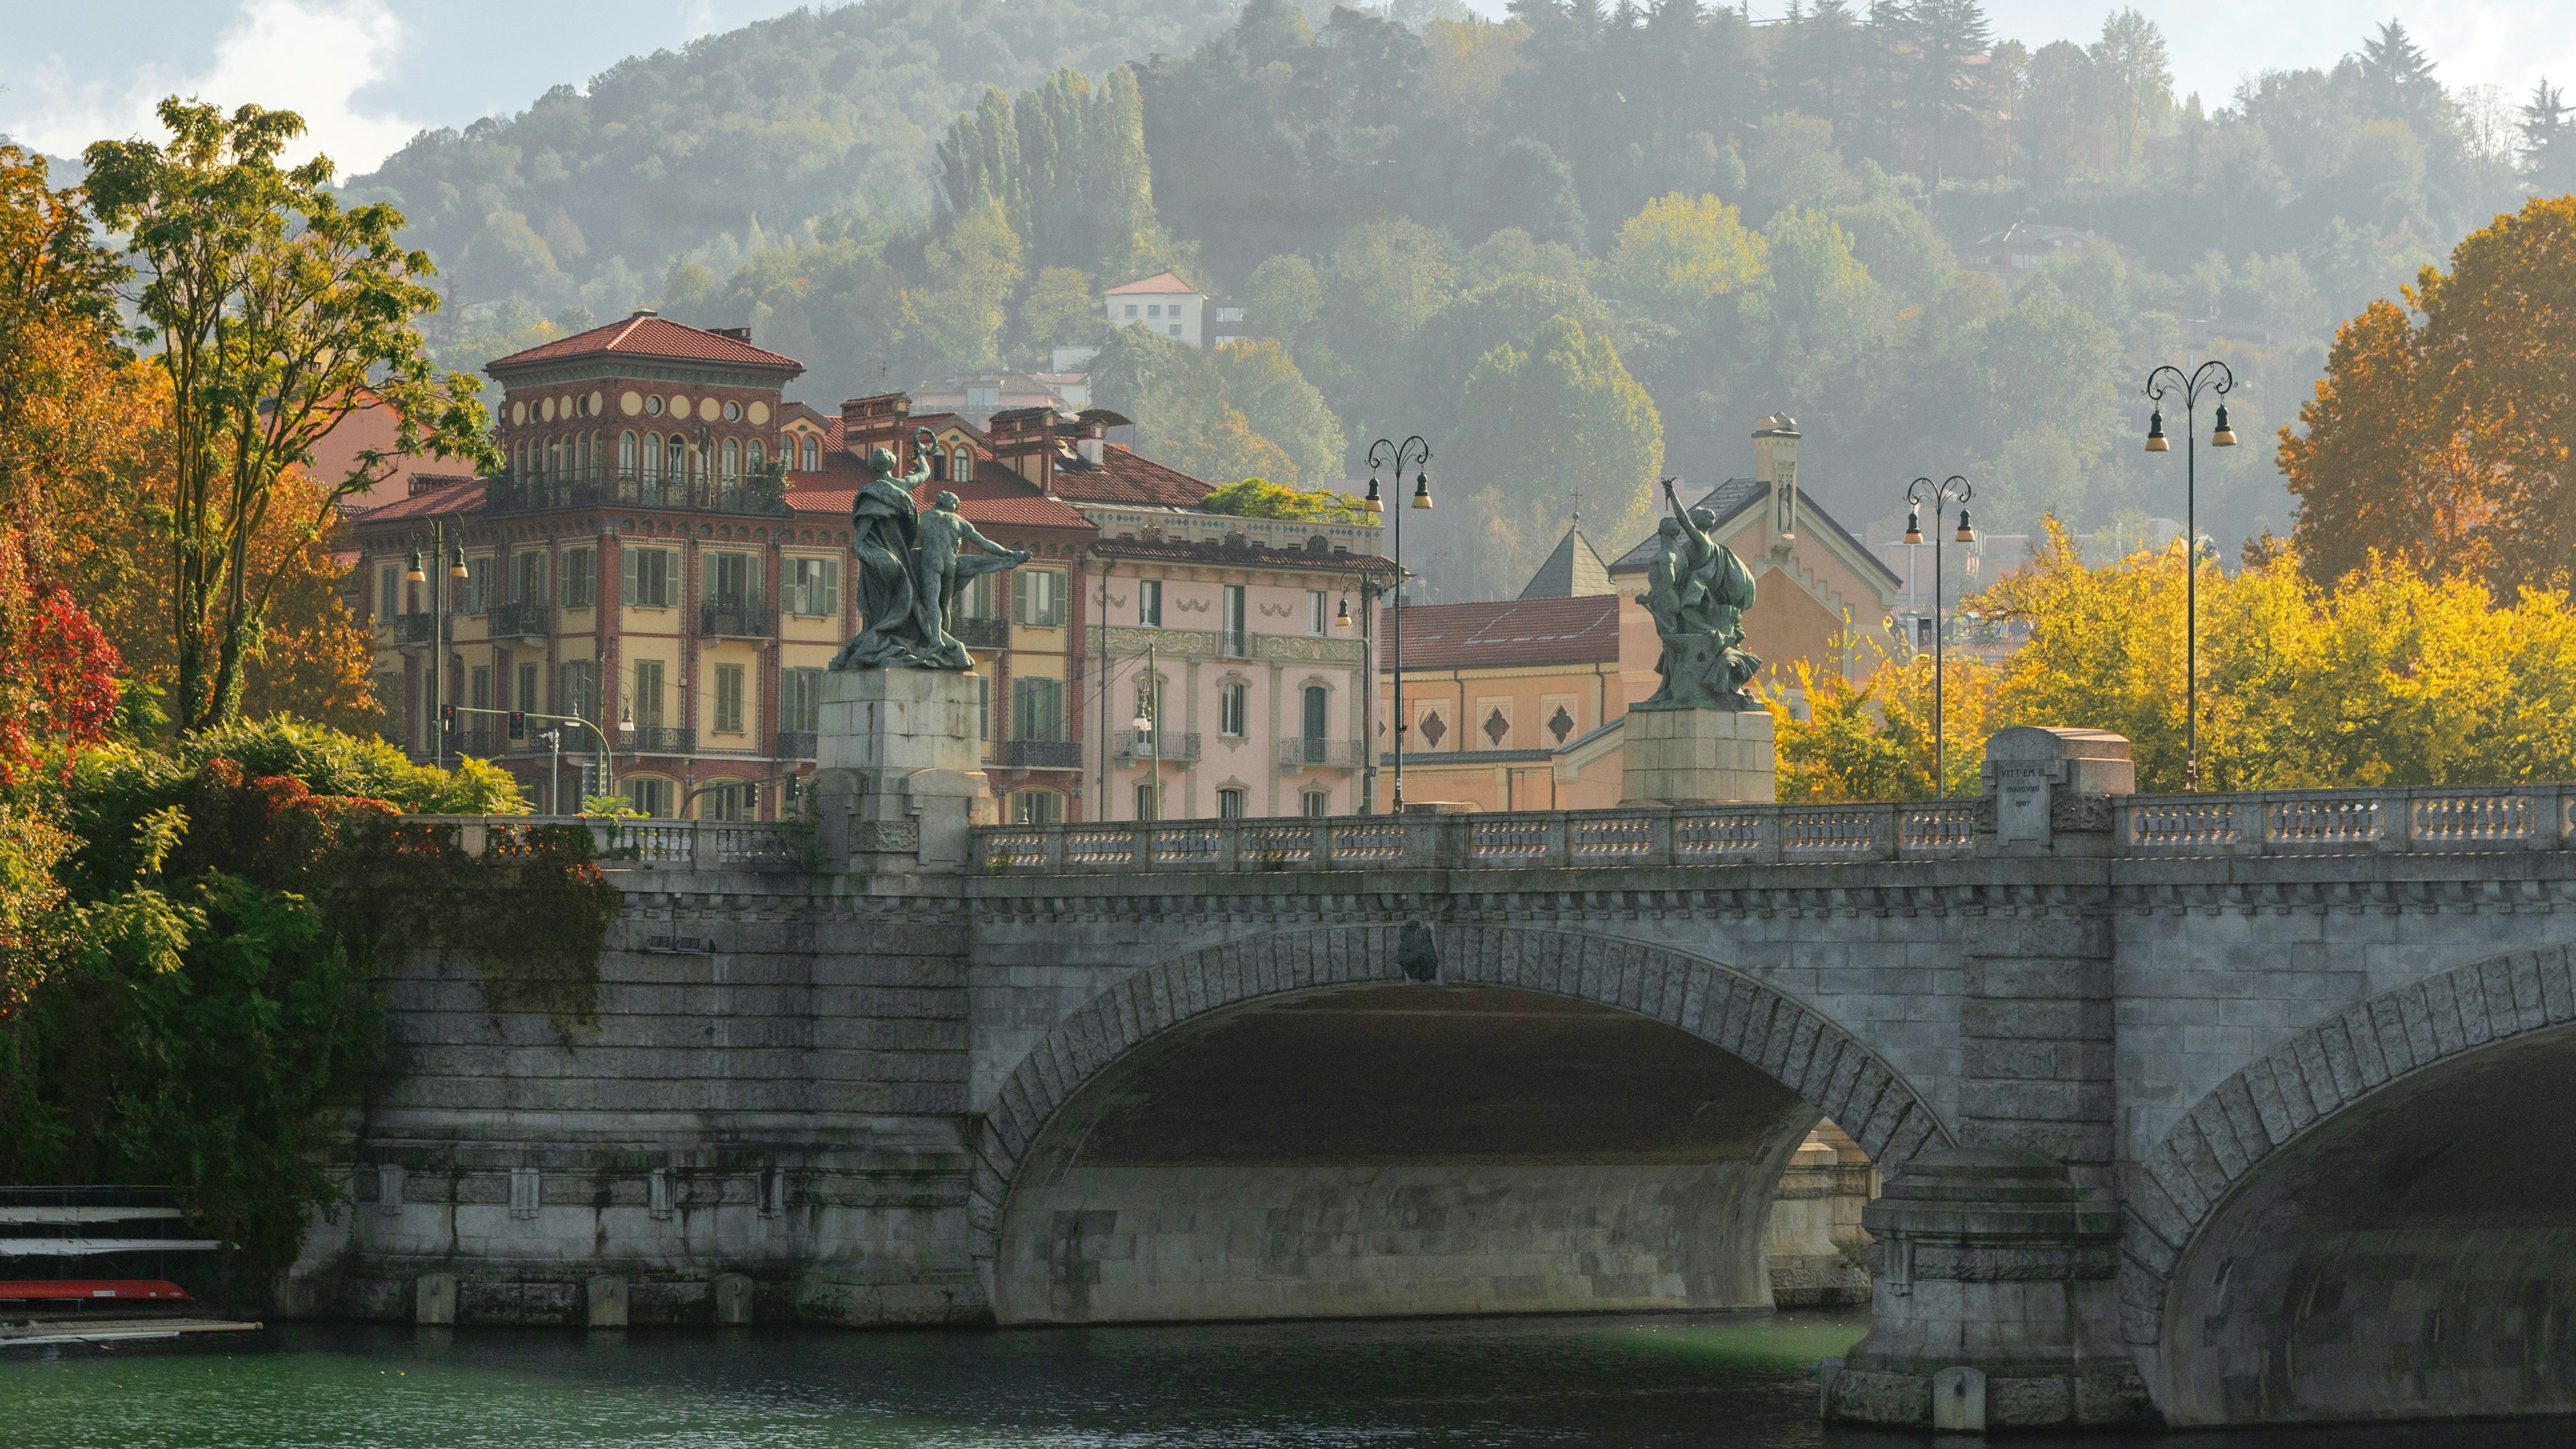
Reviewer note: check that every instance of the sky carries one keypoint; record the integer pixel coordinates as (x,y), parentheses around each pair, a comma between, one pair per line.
(367,74)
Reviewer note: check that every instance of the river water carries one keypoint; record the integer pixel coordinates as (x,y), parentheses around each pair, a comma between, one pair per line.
(1738,1381)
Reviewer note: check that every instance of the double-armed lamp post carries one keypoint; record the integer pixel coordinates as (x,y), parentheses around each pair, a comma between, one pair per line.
(438,627)
(1413,452)
(2214,378)
(1953,489)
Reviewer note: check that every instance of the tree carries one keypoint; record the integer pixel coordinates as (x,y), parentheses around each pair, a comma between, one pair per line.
(1680,254)
(58,690)
(278,314)
(2398,79)
(1059,310)
(1066,164)
(1537,424)
(2548,141)
(2136,80)
(956,321)
(1187,415)
(2443,443)
(1262,382)
(2499,342)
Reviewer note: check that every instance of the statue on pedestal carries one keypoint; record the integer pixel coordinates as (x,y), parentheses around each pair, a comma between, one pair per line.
(1697,590)
(911,567)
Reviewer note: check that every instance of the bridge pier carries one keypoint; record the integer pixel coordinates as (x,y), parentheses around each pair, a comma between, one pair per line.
(2001,1257)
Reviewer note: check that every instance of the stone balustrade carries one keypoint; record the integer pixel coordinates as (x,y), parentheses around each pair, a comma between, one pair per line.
(2275,823)
(658,844)
(2255,823)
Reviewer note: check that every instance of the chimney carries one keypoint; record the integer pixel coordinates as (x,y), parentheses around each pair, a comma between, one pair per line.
(1024,442)
(1775,462)
(738,334)
(876,422)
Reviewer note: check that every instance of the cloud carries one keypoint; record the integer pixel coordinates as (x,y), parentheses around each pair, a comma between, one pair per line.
(312,57)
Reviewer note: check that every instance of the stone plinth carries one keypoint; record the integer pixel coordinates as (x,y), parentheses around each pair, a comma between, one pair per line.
(900,774)
(1993,1262)
(898,719)
(1687,755)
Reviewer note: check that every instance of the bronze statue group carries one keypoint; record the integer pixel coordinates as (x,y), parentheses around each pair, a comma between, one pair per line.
(912,565)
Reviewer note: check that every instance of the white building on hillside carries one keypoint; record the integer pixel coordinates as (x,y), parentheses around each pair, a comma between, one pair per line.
(1165,303)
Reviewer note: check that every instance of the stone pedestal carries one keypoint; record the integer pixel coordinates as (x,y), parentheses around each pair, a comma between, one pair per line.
(1681,756)
(1995,1303)
(900,773)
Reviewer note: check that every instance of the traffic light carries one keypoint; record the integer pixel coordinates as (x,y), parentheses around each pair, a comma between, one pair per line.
(447,718)
(518,724)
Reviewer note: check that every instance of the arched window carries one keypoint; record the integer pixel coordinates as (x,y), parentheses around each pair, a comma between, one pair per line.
(732,460)
(961,464)
(813,455)
(626,453)
(554,458)
(683,462)
(757,456)
(652,457)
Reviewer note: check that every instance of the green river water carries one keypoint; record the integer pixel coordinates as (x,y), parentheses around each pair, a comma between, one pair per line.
(1740,1381)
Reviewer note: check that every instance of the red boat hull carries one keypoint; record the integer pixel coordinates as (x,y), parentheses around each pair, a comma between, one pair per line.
(86,1289)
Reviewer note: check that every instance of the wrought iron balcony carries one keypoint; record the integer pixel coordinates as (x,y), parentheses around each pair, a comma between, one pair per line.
(520,621)
(796,744)
(981,633)
(736,621)
(414,628)
(1300,754)
(1133,745)
(481,741)
(1043,754)
(634,487)
(1234,643)
(646,739)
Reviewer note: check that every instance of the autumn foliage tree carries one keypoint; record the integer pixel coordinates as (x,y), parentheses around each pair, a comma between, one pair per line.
(2441,440)
(57,309)
(274,313)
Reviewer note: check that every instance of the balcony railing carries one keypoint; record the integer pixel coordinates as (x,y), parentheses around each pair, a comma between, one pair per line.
(592,487)
(520,621)
(736,621)
(1132,745)
(1321,754)
(1042,754)
(982,633)
(647,739)
(1234,643)
(415,628)
(796,744)
(483,742)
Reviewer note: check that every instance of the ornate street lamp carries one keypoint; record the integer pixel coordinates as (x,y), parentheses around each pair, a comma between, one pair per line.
(1413,452)
(2212,377)
(1953,489)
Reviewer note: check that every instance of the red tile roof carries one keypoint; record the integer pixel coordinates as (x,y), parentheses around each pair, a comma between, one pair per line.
(1520,632)
(996,495)
(1165,282)
(1126,477)
(465,495)
(645,335)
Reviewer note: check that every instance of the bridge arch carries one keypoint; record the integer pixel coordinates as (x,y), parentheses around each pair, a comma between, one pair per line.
(2377,1219)
(1084,1070)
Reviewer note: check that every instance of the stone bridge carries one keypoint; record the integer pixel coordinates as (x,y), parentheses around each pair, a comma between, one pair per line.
(2228,1108)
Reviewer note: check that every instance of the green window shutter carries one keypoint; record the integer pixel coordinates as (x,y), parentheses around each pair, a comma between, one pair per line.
(629,560)
(751,581)
(830,603)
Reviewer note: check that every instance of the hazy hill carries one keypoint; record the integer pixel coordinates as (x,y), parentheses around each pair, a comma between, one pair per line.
(585,198)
